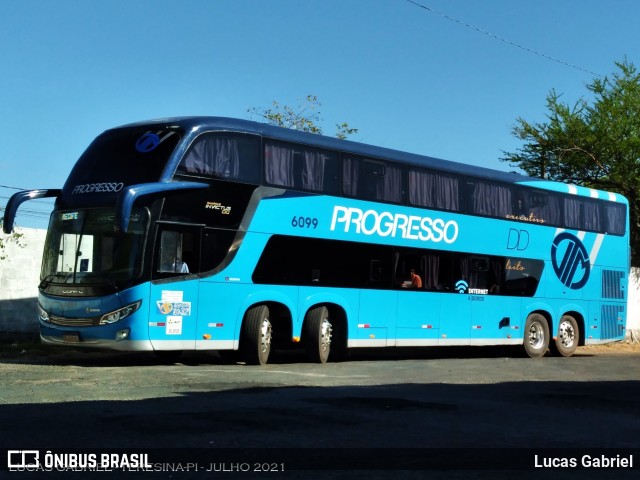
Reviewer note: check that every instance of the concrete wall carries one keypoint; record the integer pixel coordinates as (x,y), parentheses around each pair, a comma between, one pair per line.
(20,275)
(19,278)
(633,314)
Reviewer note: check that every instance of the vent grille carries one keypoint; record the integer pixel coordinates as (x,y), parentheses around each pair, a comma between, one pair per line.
(610,324)
(612,284)
(73,322)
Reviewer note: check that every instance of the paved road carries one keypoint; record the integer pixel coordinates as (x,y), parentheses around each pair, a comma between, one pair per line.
(440,398)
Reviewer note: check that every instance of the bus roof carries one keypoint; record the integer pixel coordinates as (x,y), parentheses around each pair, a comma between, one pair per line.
(199,124)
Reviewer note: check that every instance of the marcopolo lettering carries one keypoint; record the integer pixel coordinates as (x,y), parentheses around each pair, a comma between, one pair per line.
(398,225)
(106,187)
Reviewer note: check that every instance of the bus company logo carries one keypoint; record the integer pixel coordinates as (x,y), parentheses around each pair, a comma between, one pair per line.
(570,261)
(147,142)
(384,224)
(164,308)
(23,459)
(462,286)
(103,187)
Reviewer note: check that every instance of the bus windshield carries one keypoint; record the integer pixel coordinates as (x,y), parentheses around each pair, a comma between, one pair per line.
(82,248)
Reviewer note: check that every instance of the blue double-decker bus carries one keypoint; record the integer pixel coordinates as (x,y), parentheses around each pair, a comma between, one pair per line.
(208,233)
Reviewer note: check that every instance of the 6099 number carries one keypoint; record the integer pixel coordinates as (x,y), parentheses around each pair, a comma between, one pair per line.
(304,222)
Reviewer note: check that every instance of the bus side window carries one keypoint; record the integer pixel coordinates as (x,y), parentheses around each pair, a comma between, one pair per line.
(178,253)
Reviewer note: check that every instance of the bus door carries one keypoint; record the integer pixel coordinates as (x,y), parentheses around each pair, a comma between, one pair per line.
(377,319)
(174,289)
(422,279)
(456,306)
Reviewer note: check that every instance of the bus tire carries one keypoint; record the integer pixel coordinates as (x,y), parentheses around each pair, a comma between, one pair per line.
(317,335)
(536,335)
(568,336)
(256,335)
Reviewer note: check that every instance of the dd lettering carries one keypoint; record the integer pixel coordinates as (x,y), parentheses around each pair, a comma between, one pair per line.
(518,239)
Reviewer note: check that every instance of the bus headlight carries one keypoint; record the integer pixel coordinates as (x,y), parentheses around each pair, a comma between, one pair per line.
(118,315)
(42,314)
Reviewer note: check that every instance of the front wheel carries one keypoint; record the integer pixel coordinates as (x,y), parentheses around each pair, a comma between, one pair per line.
(317,334)
(568,336)
(536,336)
(255,342)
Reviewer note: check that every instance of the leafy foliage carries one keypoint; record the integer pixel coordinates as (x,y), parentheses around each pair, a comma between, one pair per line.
(14,237)
(305,117)
(594,143)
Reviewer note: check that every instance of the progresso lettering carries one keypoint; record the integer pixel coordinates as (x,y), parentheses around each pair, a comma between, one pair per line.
(386,224)
(107,187)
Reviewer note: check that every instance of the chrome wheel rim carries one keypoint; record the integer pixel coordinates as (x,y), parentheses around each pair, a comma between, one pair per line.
(265,336)
(325,335)
(566,334)
(536,336)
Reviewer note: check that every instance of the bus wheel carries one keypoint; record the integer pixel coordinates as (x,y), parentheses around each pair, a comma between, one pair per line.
(256,335)
(568,335)
(536,335)
(317,335)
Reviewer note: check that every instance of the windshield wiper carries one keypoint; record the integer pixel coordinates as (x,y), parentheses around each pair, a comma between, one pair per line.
(102,276)
(46,281)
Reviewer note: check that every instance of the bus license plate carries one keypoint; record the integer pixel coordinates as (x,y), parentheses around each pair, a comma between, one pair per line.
(71,337)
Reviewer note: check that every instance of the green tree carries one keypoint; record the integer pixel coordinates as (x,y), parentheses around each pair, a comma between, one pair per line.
(304,117)
(5,239)
(594,142)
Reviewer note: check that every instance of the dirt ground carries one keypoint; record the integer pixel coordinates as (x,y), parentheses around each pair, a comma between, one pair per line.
(622,348)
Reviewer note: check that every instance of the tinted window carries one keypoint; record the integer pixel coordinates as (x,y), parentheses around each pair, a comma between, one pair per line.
(434,190)
(432,267)
(308,261)
(583,214)
(538,206)
(228,156)
(371,180)
(615,216)
(122,156)
(301,167)
(491,199)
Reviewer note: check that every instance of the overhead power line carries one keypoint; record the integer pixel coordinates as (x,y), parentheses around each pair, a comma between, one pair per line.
(502,39)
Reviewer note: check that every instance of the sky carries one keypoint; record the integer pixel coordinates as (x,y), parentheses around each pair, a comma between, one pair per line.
(443,78)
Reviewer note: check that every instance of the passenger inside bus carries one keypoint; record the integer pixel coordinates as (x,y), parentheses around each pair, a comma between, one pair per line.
(415,282)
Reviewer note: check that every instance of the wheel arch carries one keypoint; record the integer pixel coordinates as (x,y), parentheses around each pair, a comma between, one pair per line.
(280,313)
(339,310)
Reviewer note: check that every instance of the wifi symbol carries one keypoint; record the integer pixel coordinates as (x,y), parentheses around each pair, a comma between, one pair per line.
(461,286)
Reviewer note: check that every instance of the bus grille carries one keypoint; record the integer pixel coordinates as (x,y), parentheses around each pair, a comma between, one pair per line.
(612,284)
(610,324)
(73,322)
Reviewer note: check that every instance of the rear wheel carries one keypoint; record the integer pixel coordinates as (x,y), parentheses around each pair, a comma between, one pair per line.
(256,335)
(568,336)
(536,335)
(317,335)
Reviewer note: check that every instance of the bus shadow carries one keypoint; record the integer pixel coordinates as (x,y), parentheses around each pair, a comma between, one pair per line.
(36,354)
(30,352)
(408,415)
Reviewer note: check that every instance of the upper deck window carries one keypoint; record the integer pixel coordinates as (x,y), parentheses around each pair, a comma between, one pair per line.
(300,167)
(371,179)
(538,206)
(490,199)
(434,190)
(126,156)
(226,156)
(583,214)
(615,215)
